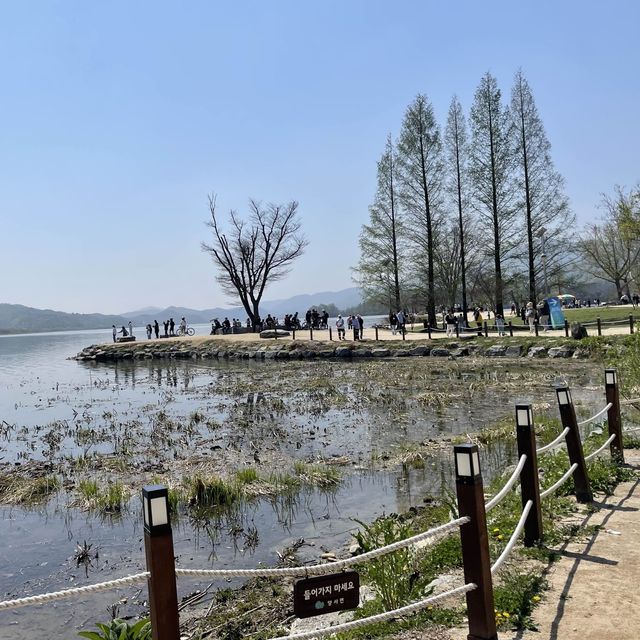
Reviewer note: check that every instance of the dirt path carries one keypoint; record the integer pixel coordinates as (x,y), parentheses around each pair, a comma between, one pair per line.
(594,592)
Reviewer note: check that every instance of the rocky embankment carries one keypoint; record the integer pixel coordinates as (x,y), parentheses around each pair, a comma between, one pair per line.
(307,350)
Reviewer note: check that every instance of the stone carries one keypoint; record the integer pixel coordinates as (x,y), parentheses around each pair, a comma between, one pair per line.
(343,352)
(578,331)
(323,353)
(380,353)
(514,351)
(420,351)
(273,333)
(440,352)
(581,353)
(402,353)
(561,352)
(459,353)
(282,355)
(537,352)
(361,353)
(496,350)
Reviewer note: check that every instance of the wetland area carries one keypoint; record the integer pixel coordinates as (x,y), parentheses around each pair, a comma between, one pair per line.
(291,452)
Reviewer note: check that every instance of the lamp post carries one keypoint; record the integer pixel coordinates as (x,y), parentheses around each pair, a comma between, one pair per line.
(158,546)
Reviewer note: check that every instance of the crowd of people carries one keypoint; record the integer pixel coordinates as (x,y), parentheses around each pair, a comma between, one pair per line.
(153,329)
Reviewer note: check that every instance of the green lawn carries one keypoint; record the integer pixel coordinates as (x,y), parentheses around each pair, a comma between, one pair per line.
(590,314)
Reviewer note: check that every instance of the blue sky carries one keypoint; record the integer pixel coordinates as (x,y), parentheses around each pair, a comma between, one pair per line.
(117,119)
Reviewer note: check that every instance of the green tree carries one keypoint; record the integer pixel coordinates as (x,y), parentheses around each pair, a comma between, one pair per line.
(491,171)
(378,272)
(549,223)
(421,171)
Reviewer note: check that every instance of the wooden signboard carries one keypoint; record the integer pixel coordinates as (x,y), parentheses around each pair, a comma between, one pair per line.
(326,594)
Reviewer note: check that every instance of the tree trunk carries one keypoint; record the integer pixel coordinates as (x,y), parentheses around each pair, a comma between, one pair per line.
(431,301)
(527,192)
(463,274)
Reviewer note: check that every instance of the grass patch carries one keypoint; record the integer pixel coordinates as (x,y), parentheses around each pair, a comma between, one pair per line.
(515,597)
(107,499)
(17,489)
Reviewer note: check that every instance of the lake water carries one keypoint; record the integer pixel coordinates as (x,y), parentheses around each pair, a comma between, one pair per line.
(41,387)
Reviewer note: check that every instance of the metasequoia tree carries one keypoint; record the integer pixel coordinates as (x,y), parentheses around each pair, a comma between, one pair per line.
(491,171)
(379,270)
(254,253)
(421,172)
(540,188)
(456,155)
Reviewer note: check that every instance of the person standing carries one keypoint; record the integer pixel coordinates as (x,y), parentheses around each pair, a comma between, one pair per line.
(115,333)
(530,315)
(172,327)
(340,327)
(183,326)
(165,324)
(400,320)
(500,324)
(450,323)
(130,328)
(156,329)
(149,330)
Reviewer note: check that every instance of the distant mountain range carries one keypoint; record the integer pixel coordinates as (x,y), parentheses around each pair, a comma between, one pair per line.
(16,318)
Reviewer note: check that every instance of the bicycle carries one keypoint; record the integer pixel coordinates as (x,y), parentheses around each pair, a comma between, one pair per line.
(188,331)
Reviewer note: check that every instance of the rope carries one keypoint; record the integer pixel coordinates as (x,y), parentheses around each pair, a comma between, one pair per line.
(380,617)
(512,480)
(631,430)
(632,401)
(554,443)
(592,418)
(68,593)
(514,538)
(560,482)
(609,440)
(331,567)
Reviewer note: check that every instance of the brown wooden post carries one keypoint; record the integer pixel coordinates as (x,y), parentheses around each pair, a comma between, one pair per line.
(275,332)
(510,329)
(486,329)
(475,543)
(599,323)
(631,323)
(310,332)
(536,326)
(614,421)
(294,333)
(158,546)
(404,333)
(457,328)
(529,482)
(429,330)
(330,334)
(376,328)
(574,444)
(566,328)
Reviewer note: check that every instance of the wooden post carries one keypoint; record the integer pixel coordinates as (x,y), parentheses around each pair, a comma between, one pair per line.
(614,421)
(475,543)
(486,329)
(566,328)
(574,444)
(529,482)
(158,546)
(330,334)
(429,330)
(294,333)
(510,329)
(535,324)
(310,332)
(599,326)
(275,334)
(457,328)
(404,333)
(376,328)
(631,323)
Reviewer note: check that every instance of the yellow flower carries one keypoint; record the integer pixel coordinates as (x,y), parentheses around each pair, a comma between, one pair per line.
(506,614)
(496,530)
(536,598)
(500,537)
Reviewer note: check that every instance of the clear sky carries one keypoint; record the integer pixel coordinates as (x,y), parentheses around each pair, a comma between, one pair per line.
(118,118)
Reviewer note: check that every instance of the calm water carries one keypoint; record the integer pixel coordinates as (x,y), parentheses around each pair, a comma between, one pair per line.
(40,385)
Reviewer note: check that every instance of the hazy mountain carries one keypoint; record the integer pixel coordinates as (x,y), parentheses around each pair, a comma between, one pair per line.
(16,318)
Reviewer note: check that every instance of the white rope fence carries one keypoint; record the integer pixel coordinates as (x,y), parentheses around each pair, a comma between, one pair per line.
(69,593)
(380,617)
(514,538)
(554,443)
(631,430)
(632,401)
(512,480)
(592,418)
(330,567)
(560,482)
(609,440)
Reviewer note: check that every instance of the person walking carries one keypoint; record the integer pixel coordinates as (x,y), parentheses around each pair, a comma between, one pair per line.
(450,323)
(500,324)
(340,327)
(360,323)
(156,329)
(530,315)
(115,333)
(400,320)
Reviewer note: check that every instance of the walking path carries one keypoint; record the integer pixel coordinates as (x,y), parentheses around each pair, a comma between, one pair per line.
(595,585)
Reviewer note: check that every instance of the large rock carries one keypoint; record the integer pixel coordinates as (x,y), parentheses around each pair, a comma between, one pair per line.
(496,350)
(274,333)
(561,352)
(514,351)
(420,351)
(380,353)
(440,352)
(459,353)
(343,352)
(361,353)
(537,352)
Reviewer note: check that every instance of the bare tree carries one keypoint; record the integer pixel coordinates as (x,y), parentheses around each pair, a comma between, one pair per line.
(254,253)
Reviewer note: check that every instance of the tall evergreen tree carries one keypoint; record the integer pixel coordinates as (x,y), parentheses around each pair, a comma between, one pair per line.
(491,171)
(456,154)
(421,172)
(379,271)
(547,215)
